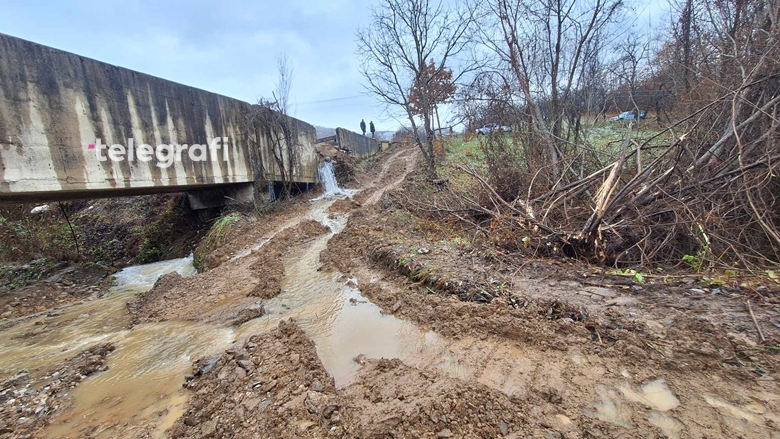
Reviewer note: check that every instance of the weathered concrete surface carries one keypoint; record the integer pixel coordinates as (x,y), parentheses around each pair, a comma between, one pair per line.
(306,158)
(361,146)
(53,104)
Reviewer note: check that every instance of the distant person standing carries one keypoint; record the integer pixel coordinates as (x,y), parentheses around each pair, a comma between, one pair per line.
(373,129)
(363,126)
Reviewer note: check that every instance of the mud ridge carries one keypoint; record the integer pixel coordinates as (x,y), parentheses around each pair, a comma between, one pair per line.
(275,386)
(272,385)
(230,293)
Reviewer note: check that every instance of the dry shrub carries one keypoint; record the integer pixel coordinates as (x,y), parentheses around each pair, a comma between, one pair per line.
(506,165)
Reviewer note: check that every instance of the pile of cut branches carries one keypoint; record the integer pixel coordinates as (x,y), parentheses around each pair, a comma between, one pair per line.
(709,200)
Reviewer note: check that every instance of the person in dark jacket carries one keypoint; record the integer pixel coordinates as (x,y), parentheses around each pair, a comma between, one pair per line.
(363,126)
(372,128)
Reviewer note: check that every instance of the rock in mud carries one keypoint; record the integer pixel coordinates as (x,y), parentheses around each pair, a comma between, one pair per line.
(315,402)
(274,393)
(248,314)
(246,365)
(204,365)
(29,403)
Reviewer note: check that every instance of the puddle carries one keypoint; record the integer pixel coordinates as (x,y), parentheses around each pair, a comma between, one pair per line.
(609,409)
(734,412)
(655,394)
(670,427)
(334,314)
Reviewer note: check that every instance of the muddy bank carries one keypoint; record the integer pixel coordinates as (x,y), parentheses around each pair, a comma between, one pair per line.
(44,284)
(343,206)
(27,404)
(270,386)
(42,266)
(230,292)
(457,286)
(594,344)
(452,300)
(250,229)
(269,265)
(113,232)
(275,386)
(391,399)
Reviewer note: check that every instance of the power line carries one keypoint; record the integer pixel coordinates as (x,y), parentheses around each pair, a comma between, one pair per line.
(331,100)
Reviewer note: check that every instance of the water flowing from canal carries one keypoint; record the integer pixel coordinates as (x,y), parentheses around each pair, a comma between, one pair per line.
(141,391)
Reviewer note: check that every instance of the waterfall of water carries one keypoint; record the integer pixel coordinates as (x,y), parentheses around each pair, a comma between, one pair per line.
(328,178)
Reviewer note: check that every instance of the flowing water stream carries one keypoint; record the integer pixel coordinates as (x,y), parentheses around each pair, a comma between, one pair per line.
(143,383)
(145,370)
(327,176)
(141,394)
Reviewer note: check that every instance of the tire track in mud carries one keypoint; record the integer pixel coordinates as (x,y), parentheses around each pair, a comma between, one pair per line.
(569,386)
(409,158)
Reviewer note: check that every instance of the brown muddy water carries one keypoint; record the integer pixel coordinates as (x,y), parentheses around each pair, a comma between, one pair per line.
(143,385)
(147,369)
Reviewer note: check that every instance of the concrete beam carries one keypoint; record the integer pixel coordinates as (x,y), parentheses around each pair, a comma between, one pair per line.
(357,144)
(54,104)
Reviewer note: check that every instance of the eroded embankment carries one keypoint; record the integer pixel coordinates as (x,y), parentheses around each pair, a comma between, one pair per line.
(605,357)
(58,254)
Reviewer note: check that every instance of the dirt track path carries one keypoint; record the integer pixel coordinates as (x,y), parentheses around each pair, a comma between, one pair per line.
(393,170)
(560,375)
(475,370)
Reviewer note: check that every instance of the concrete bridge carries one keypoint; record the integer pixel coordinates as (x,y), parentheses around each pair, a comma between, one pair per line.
(72,127)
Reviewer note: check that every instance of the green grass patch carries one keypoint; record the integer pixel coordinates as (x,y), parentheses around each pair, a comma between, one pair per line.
(459,150)
(608,137)
(219,229)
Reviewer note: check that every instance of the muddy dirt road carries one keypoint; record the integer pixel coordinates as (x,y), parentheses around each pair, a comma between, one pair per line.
(342,316)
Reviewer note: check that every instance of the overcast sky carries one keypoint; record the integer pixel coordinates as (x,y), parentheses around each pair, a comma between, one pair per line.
(228,47)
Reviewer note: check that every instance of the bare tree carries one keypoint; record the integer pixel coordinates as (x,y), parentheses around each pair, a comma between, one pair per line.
(283,83)
(396,50)
(545,44)
(630,65)
(277,127)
